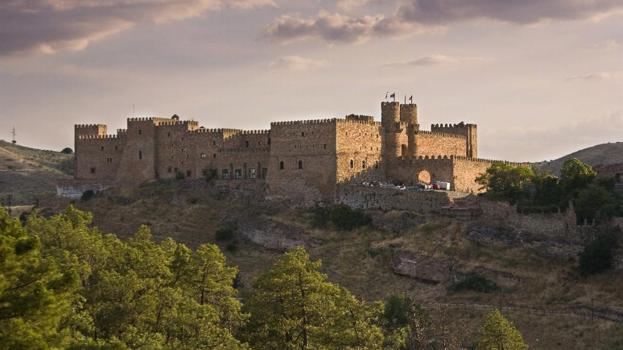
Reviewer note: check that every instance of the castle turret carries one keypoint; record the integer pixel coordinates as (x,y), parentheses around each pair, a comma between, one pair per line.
(408,113)
(392,128)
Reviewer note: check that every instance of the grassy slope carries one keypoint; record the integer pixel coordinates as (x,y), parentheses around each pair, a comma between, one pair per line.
(28,173)
(604,154)
(360,260)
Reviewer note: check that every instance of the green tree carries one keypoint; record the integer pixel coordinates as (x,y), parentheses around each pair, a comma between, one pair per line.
(506,182)
(141,294)
(36,292)
(293,306)
(500,334)
(595,203)
(67,150)
(575,175)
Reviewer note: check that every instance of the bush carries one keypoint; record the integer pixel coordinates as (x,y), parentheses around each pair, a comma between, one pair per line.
(343,217)
(598,255)
(67,150)
(179,175)
(474,282)
(87,195)
(225,232)
(396,311)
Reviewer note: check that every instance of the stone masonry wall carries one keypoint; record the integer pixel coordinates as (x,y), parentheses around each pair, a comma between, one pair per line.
(302,162)
(393,199)
(358,151)
(435,144)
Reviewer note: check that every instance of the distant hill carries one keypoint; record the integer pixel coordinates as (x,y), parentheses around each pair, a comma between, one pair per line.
(29,173)
(604,154)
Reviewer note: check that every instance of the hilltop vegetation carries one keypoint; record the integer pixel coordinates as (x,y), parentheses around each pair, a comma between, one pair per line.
(28,174)
(66,285)
(544,295)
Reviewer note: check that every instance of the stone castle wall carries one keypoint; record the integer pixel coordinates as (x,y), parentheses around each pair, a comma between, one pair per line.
(432,144)
(358,151)
(302,163)
(301,160)
(393,199)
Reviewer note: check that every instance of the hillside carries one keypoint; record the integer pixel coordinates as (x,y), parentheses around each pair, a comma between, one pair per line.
(604,154)
(28,173)
(540,292)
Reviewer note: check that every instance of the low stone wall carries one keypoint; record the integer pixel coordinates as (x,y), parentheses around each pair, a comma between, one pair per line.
(504,214)
(358,196)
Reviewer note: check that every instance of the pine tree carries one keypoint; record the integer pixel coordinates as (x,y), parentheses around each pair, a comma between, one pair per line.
(500,334)
(293,306)
(35,292)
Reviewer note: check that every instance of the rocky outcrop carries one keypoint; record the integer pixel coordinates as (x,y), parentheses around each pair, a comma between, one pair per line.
(421,267)
(271,234)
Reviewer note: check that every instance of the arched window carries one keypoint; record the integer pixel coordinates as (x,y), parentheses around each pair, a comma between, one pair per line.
(363,164)
(281,165)
(300,164)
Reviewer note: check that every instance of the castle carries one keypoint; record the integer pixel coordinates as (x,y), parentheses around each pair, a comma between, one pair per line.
(303,160)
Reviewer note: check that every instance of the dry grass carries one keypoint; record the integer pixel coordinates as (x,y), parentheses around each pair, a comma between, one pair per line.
(360,260)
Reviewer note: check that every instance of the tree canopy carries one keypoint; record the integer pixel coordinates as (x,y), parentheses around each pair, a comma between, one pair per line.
(500,334)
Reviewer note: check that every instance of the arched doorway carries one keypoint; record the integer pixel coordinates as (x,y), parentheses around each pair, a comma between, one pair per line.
(424,176)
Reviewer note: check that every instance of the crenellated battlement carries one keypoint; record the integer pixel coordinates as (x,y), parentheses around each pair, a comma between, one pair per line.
(174,122)
(88,126)
(444,134)
(140,119)
(308,121)
(255,132)
(98,137)
(460,125)
(203,130)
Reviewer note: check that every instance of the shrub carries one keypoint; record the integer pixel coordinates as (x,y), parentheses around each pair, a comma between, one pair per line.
(598,255)
(179,175)
(474,282)
(225,232)
(87,195)
(343,217)
(67,150)
(396,311)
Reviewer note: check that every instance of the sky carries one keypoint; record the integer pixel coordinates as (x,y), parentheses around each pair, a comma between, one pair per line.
(541,78)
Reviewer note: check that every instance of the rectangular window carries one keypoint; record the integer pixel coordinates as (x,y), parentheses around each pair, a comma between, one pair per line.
(140,154)
(238,173)
(92,170)
(246,144)
(188,173)
(300,165)
(264,172)
(169,169)
(252,173)
(140,132)
(225,174)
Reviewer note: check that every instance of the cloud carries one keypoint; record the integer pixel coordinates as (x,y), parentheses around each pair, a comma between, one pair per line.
(438,59)
(616,75)
(416,15)
(297,63)
(534,143)
(513,11)
(49,26)
(332,27)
